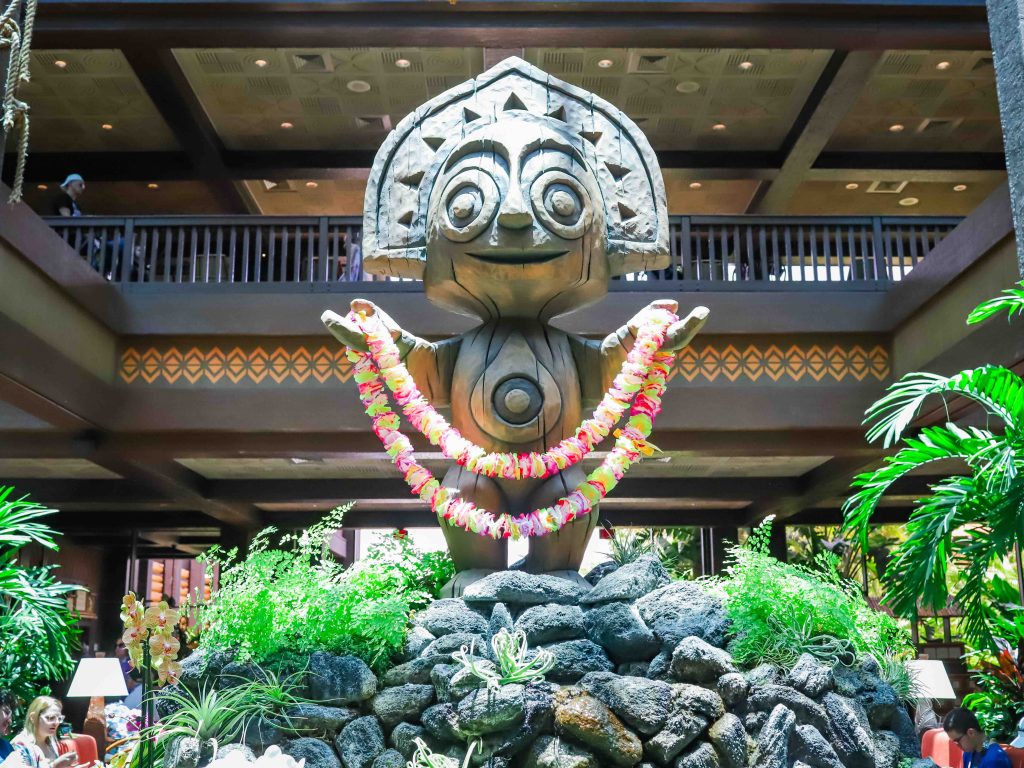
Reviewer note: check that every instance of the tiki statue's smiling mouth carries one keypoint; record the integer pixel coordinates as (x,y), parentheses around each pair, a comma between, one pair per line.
(517,257)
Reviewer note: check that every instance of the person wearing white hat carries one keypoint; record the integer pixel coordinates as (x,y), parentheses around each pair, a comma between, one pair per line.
(66,203)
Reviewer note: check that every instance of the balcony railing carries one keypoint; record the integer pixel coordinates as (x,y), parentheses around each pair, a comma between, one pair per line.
(708,252)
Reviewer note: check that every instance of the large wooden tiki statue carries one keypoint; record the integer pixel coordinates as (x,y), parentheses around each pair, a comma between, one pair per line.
(515,197)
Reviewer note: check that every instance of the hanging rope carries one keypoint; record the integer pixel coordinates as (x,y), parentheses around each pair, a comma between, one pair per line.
(17,38)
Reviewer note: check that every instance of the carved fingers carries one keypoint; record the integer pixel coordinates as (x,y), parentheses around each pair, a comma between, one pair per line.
(344,331)
(681,333)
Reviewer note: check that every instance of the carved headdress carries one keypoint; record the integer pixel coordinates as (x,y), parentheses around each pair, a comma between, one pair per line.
(618,153)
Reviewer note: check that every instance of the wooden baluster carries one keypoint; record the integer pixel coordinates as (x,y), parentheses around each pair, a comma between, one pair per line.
(686,248)
(247,254)
(712,253)
(219,255)
(750,256)
(194,255)
(737,251)
(272,256)
(232,253)
(912,242)
(801,252)
(762,244)
(206,254)
(167,254)
(899,251)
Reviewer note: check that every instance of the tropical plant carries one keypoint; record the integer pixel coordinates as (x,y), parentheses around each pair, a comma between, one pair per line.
(903,679)
(676,548)
(515,662)
(781,610)
(627,545)
(424,757)
(38,632)
(973,519)
(285,600)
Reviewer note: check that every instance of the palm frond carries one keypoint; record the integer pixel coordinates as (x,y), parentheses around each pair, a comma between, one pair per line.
(1010,301)
(18,525)
(999,390)
(932,445)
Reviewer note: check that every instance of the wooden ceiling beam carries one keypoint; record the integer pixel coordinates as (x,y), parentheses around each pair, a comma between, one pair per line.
(837,89)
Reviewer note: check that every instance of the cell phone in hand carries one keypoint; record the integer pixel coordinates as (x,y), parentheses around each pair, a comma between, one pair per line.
(64,731)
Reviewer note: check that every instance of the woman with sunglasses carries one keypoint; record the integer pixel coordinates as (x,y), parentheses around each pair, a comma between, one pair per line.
(38,741)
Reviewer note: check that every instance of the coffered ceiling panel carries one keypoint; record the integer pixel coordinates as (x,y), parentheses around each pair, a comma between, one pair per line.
(925,101)
(74,94)
(331,99)
(678,97)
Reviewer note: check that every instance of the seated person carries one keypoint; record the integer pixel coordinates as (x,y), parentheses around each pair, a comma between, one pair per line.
(133,682)
(963,730)
(6,714)
(37,743)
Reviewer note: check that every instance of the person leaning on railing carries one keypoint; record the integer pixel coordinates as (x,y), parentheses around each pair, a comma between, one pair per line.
(66,203)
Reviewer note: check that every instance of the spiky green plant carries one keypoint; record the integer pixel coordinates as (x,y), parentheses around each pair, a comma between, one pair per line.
(424,757)
(974,519)
(515,663)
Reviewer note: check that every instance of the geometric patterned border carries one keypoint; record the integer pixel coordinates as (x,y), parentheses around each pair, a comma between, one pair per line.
(301,365)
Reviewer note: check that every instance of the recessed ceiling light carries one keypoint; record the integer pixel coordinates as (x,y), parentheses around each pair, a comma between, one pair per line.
(605,63)
(358,86)
(60,64)
(852,185)
(688,86)
(942,66)
(746,65)
(718,127)
(287,126)
(896,128)
(403,63)
(152,185)
(312,184)
(261,63)
(107,127)
(960,188)
(906,202)
(41,186)
(695,185)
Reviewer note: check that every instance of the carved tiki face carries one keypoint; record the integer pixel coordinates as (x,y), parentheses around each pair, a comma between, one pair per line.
(515,195)
(512,225)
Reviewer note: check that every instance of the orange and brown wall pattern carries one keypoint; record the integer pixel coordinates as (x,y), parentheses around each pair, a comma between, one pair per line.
(294,362)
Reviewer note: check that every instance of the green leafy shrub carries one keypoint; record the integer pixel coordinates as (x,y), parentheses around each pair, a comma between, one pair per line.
(779,611)
(676,548)
(281,603)
(38,634)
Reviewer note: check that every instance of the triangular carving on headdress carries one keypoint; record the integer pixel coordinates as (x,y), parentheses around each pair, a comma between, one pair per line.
(469,115)
(514,102)
(558,113)
(434,142)
(625,212)
(413,179)
(406,218)
(592,136)
(618,171)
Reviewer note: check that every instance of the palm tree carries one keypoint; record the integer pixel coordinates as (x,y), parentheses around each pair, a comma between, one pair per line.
(975,518)
(38,633)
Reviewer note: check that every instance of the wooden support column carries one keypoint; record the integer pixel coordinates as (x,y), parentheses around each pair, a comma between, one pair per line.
(713,545)
(777,544)
(1006,28)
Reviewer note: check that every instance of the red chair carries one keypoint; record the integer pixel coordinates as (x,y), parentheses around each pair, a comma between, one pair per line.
(83,744)
(936,745)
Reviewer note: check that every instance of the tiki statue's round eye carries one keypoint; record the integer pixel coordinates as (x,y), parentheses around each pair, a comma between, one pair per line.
(561,203)
(468,204)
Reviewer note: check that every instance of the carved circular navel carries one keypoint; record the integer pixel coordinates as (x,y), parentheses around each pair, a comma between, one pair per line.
(518,400)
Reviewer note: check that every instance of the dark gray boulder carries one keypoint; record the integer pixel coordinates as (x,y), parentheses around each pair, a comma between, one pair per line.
(319,721)
(695,698)
(554,752)
(200,665)
(415,671)
(813,749)
(660,667)
(464,681)
(629,582)
(642,704)
(768,697)
(316,753)
(403,702)
(340,680)
(261,733)
(538,719)
(618,628)
(729,739)
(682,609)
(417,639)
(575,658)
(488,710)
(442,722)
(680,730)
(389,758)
(633,669)
(903,727)
(699,755)
(183,752)
(811,677)
(550,623)
(441,678)
(501,618)
(733,688)
(360,742)
(764,674)
(445,645)
(588,722)
(696,661)
(450,615)
(600,570)
(773,741)
(887,749)
(519,588)
(848,736)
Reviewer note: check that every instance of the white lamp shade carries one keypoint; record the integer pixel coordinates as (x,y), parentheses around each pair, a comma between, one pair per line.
(98,677)
(932,680)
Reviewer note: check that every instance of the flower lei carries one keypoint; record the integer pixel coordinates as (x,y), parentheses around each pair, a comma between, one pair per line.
(639,386)
(155,626)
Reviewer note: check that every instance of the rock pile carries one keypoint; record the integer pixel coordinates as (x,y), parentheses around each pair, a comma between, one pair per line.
(641,678)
